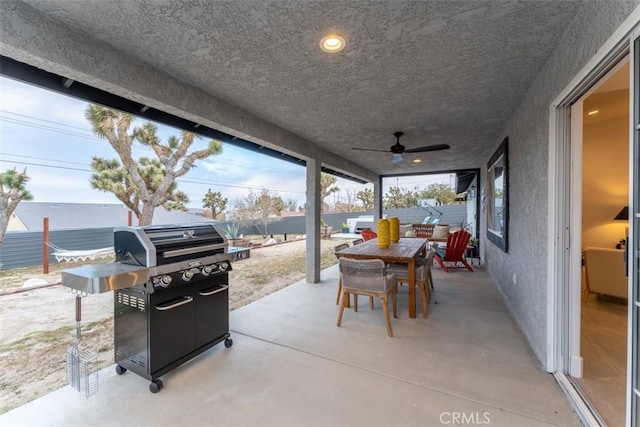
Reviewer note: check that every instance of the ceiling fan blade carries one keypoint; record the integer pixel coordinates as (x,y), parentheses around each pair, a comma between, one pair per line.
(435,147)
(370,149)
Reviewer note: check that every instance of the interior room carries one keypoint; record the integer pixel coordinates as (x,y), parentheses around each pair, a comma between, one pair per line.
(605,194)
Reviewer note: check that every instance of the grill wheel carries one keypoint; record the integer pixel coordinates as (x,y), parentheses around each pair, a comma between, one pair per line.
(155,385)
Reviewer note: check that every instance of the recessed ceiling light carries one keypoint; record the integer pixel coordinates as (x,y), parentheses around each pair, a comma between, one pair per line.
(417,160)
(591,113)
(332,43)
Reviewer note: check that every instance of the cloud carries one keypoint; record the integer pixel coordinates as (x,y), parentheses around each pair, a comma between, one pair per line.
(56,187)
(19,98)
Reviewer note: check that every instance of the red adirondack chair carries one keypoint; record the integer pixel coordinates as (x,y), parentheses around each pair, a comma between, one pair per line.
(454,252)
(368,234)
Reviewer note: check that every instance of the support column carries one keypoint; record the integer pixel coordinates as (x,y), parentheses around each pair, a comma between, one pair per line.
(312,221)
(377,202)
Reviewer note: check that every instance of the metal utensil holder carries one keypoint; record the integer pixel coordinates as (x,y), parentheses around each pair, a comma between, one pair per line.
(82,369)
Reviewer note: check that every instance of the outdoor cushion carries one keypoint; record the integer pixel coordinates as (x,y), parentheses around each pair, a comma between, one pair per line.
(440,232)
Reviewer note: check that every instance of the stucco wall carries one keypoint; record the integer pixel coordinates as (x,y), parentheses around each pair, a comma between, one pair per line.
(528,132)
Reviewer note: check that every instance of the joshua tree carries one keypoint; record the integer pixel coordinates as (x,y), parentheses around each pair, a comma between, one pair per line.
(12,192)
(442,193)
(328,185)
(398,198)
(214,201)
(150,182)
(366,197)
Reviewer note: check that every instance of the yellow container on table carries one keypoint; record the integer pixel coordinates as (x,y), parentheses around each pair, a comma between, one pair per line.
(383,233)
(394,229)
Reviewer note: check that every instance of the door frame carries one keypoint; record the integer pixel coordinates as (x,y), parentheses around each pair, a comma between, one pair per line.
(633,241)
(563,308)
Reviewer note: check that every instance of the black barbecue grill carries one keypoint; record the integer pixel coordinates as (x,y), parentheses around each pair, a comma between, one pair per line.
(171,298)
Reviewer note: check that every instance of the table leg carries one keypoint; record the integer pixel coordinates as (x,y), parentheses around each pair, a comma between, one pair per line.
(412,288)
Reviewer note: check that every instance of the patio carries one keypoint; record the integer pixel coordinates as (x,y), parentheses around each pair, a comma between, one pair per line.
(290,365)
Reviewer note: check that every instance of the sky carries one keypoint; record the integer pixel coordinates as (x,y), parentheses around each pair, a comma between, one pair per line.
(47,133)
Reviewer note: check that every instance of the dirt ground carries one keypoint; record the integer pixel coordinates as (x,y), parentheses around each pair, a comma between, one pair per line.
(38,325)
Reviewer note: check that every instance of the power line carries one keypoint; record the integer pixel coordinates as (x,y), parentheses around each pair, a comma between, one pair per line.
(58,161)
(71,130)
(42,158)
(209,183)
(136,146)
(43,120)
(45,166)
(46,127)
(279,190)
(72,133)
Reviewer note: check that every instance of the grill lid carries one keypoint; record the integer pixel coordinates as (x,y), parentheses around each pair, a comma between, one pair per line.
(155,245)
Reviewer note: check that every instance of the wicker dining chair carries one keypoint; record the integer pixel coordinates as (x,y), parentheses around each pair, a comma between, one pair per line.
(337,249)
(367,277)
(424,279)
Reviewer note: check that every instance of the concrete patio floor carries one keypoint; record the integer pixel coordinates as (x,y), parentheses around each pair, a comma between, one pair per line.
(291,366)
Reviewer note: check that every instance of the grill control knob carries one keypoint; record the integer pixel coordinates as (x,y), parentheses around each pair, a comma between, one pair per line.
(223,266)
(206,270)
(165,281)
(187,275)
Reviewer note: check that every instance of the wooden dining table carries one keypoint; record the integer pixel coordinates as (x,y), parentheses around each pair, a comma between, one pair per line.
(406,251)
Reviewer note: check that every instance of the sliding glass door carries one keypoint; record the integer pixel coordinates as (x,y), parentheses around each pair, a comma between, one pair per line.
(633,248)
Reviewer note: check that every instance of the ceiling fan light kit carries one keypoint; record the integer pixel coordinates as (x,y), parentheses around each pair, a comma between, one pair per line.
(397,150)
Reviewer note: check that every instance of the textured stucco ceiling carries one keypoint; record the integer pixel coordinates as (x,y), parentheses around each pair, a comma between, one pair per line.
(447,72)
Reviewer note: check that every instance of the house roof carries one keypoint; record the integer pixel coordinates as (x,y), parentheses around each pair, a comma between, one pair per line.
(91,215)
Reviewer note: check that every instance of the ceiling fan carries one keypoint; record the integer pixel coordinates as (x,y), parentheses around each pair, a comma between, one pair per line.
(398,149)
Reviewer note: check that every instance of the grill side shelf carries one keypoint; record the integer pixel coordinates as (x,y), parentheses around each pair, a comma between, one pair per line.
(99,278)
